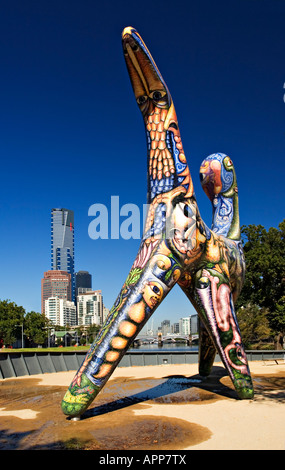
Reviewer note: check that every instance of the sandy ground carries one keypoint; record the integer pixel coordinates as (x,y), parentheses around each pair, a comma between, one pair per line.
(166,407)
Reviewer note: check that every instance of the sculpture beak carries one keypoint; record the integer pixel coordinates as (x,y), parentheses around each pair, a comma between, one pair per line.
(146,79)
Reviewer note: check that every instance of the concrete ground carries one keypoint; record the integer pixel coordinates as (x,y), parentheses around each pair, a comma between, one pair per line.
(166,407)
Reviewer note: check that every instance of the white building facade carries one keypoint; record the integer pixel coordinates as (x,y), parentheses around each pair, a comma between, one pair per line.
(60,311)
(90,308)
(184,326)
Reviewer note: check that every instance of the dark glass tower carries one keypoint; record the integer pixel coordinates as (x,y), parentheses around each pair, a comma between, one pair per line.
(62,243)
(83,280)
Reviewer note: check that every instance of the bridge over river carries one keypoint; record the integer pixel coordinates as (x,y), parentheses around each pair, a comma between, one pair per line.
(169,338)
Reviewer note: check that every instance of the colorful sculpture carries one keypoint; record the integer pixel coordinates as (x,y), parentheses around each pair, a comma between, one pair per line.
(176,247)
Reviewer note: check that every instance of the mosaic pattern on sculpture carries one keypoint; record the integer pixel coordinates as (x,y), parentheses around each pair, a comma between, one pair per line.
(177,247)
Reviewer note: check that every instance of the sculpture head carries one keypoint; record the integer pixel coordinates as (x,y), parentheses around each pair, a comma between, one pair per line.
(167,166)
(149,87)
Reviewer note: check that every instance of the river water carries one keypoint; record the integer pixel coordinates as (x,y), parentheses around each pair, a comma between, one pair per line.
(165,347)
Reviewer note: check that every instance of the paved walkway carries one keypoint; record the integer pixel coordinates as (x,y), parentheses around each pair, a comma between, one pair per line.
(166,407)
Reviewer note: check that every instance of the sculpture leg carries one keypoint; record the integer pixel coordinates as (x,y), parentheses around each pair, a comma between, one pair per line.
(214,301)
(207,348)
(207,351)
(152,276)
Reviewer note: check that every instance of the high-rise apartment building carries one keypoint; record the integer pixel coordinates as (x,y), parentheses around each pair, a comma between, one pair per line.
(60,312)
(184,326)
(62,243)
(90,308)
(56,284)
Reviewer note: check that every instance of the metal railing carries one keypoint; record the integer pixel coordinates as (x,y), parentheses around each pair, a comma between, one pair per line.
(18,364)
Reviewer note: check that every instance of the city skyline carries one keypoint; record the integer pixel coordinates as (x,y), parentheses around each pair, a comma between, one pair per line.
(62,282)
(68,111)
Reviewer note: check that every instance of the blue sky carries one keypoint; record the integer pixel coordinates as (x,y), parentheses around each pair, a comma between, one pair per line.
(72,134)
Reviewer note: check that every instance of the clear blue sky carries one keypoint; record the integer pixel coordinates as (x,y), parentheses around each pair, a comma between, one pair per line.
(72,134)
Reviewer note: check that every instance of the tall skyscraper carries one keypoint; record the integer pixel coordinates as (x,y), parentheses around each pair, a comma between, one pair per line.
(56,284)
(62,243)
(83,282)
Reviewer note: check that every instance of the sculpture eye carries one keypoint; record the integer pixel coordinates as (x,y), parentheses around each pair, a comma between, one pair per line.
(157,95)
(173,125)
(142,99)
(228,163)
(187,211)
(155,289)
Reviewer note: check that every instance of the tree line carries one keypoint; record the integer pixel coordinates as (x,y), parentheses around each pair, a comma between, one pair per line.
(260,306)
(35,329)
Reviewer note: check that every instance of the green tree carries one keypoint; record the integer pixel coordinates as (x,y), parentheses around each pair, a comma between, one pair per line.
(36,326)
(254,326)
(92,331)
(11,319)
(265,275)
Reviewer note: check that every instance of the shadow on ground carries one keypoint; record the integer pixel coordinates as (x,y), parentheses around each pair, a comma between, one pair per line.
(170,390)
(31,417)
